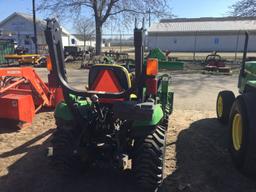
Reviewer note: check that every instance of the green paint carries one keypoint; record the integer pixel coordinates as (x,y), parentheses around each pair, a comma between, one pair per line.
(163,62)
(6,47)
(169,106)
(165,96)
(157,116)
(250,75)
(157,53)
(171,65)
(62,111)
(250,67)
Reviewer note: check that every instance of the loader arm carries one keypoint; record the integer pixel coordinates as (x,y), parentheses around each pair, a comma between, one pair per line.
(28,74)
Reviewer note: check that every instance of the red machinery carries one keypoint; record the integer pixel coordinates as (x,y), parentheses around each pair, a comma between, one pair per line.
(215,65)
(23,94)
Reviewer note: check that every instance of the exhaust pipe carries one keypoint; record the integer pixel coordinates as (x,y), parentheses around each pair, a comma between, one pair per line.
(245,53)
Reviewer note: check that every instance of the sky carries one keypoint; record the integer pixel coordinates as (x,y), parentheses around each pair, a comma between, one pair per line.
(180,8)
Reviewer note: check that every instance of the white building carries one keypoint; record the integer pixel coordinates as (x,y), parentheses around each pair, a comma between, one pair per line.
(19,27)
(202,34)
(89,41)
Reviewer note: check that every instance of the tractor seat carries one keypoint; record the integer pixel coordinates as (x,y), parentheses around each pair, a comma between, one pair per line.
(109,78)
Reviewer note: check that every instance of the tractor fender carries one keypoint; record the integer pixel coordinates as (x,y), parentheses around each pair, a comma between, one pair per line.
(156,118)
(62,112)
(143,128)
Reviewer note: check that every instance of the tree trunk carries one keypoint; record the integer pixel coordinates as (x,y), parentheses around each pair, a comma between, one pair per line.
(84,40)
(98,37)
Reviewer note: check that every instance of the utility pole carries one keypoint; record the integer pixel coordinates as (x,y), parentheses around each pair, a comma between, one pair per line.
(34,23)
(149,17)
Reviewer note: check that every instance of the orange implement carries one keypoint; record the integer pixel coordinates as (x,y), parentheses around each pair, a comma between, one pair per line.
(18,107)
(23,93)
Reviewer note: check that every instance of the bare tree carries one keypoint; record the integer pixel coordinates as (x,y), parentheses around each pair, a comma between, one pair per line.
(102,10)
(244,8)
(85,27)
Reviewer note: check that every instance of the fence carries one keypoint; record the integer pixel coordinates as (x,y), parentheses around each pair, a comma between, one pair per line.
(124,43)
(118,42)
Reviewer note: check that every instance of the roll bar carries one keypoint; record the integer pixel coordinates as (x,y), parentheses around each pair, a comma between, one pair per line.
(245,53)
(54,42)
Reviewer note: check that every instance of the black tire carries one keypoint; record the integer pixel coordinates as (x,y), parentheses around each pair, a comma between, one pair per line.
(227,98)
(244,157)
(149,158)
(65,158)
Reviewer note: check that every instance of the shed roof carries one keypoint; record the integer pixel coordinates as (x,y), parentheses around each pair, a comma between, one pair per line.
(188,25)
(28,17)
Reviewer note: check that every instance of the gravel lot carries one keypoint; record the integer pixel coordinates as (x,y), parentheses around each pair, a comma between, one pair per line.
(197,158)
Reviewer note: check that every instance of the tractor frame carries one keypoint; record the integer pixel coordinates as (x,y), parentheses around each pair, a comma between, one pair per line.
(112,123)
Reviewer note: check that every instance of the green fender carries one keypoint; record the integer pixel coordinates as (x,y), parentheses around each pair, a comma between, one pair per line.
(62,111)
(157,116)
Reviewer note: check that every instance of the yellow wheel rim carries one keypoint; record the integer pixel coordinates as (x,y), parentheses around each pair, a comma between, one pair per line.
(237,131)
(220,106)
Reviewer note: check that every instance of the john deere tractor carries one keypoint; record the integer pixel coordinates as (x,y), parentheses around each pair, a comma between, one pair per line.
(121,119)
(240,114)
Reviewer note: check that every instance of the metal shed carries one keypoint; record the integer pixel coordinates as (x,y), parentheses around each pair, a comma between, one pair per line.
(225,34)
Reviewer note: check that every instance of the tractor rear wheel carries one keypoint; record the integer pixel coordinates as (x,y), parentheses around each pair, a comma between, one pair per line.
(243,133)
(65,158)
(148,160)
(224,103)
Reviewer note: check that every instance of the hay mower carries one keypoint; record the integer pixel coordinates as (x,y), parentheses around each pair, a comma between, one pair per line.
(120,120)
(216,65)
(240,113)
(23,94)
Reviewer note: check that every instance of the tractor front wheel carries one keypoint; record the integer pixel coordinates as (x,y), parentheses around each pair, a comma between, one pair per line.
(148,160)
(243,133)
(224,103)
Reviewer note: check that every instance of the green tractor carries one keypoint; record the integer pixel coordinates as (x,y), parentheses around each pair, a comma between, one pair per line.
(120,120)
(240,113)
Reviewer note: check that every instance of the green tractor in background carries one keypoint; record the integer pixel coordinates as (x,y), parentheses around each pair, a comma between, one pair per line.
(121,118)
(240,113)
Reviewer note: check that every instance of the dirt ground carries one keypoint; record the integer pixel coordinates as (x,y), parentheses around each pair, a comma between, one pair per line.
(197,159)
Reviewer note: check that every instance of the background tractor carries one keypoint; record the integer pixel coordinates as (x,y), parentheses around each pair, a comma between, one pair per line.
(240,113)
(122,117)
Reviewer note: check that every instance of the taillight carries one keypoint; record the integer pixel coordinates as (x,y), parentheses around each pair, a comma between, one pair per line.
(152,67)
(151,72)
(49,63)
